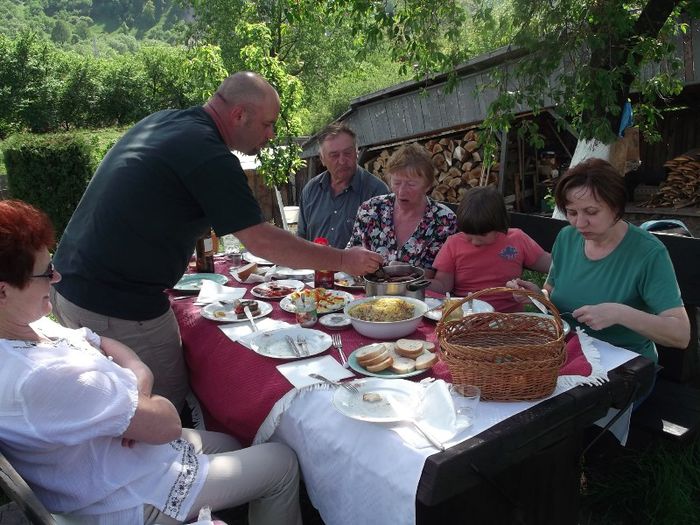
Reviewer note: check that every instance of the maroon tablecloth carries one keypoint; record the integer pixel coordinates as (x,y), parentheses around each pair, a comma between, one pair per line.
(237,387)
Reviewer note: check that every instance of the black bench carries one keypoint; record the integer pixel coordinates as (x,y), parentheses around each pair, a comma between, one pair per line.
(672,412)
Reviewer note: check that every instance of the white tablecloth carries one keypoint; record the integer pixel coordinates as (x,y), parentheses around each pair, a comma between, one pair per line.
(359,472)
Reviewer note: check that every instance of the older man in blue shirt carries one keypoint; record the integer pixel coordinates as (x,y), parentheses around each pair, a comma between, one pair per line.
(329,201)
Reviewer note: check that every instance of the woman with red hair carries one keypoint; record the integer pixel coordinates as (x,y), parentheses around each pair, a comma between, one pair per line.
(79,422)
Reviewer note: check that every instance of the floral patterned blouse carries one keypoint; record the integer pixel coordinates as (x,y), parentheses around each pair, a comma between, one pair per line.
(374,230)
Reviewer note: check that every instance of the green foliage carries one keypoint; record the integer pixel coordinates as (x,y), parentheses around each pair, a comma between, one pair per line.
(50,171)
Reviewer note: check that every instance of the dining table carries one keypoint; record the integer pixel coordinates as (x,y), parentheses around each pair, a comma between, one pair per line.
(506,464)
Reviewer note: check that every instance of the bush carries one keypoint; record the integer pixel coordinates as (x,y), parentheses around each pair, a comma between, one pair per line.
(51,171)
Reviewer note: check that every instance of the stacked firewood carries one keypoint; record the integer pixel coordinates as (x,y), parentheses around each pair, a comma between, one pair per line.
(682,185)
(458,166)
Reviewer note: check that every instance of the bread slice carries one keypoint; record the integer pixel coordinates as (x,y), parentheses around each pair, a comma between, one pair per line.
(409,348)
(245,271)
(403,365)
(368,353)
(426,360)
(383,365)
(381,357)
(428,346)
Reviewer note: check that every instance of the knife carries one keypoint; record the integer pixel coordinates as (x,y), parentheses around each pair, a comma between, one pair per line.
(542,308)
(249,315)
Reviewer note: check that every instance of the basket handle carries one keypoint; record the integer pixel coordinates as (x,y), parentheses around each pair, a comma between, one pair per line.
(503,289)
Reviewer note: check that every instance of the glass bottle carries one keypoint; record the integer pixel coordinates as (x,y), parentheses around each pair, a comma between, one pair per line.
(205,253)
(323,278)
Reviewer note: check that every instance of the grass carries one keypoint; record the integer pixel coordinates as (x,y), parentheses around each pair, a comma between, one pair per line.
(660,486)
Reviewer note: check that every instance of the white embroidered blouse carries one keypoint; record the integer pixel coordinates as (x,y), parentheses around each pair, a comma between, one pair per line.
(63,408)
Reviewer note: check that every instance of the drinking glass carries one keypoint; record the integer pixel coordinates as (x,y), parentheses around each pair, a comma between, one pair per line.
(466,401)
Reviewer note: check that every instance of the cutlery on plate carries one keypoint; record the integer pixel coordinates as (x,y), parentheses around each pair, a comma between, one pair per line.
(301,341)
(293,345)
(406,415)
(249,315)
(347,386)
(338,344)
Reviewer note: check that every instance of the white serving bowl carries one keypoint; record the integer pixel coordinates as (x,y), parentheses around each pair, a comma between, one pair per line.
(387,329)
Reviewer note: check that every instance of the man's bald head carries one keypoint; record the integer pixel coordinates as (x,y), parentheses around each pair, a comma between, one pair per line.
(246,87)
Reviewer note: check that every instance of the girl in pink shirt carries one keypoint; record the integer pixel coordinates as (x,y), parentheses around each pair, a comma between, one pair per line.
(486,253)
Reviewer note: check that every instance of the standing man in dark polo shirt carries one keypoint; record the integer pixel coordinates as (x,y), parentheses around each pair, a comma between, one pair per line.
(329,201)
(168,180)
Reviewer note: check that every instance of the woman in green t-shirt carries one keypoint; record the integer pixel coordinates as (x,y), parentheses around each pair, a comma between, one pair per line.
(616,279)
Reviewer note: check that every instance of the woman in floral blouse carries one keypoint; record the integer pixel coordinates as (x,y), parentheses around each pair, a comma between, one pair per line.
(405,226)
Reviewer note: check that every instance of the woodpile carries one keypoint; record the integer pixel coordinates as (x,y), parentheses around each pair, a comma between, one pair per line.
(682,185)
(458,165)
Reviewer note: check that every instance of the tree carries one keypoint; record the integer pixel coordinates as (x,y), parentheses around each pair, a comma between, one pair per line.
(584,56)
(61,32)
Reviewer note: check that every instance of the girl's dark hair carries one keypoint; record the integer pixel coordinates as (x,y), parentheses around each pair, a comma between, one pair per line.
(600,178)
(481,211)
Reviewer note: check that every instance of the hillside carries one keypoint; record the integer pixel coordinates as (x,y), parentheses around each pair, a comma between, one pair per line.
(98,27)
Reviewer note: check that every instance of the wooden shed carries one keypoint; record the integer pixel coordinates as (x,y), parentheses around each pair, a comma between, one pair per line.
(424,112)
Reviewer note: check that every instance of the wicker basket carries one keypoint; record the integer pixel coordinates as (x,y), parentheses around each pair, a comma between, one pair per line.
(509,356)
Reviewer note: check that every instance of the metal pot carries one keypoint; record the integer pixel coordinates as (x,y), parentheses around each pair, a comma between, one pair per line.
(399,279)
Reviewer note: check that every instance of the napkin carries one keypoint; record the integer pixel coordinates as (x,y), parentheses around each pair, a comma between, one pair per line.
(260,275)
(243,333)
(297,372)
(582,366)
(211,292)
(436,413)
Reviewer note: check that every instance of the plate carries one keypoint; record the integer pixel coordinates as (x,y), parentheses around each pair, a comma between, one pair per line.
(274,344)
(385,374)
(564,324)
(345,280)
(277,289)
(352,405)
(479,306)
(247,256)
(335,321)
(225,314)
(192,282)
(332,301)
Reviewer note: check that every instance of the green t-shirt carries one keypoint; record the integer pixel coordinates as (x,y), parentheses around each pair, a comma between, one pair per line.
(638,273)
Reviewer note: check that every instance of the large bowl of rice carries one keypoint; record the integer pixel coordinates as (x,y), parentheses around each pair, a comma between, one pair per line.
(386,316)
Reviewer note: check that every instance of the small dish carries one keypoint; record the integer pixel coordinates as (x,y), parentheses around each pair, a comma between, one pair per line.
(277,289)
(335,321)
(226,313)
(192,282)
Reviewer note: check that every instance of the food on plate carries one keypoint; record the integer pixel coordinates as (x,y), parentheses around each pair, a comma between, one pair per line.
(368,354)
(385,309)
(326,300)
(371,397)
(245,271)
(356,281)
(382,365)
(273,290)
(403,365)
(455,314)
(426,360)
(239,308)
(410,348)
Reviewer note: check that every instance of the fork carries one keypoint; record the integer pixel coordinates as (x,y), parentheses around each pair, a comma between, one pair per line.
(302,343)
(347,386)
(338,343)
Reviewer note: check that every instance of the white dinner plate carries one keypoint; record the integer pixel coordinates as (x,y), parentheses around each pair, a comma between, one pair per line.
(247,256)
(282,272)
(192,282)
(385,374)
(479,306)
(287,304)
(347,281)
(407,393)
(276,289)
(225,313)
(274,344)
